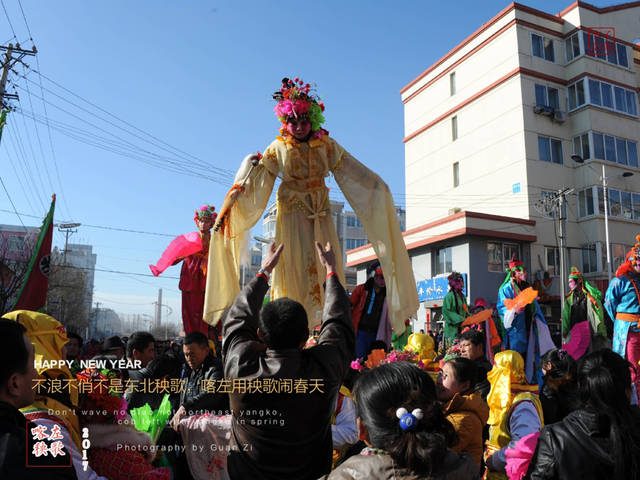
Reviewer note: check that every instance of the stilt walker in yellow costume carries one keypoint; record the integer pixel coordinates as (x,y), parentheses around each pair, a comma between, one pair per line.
(302,156)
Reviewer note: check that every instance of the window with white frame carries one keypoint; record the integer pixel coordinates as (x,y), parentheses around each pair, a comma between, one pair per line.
(606,95)
(572,47)
(575,94)
(456,174)
(499,255)
(581,146)
(590,258)
(444,259)
(607,147)
(15,243)
(452,83)
(550,149)
(542,47)
(552,256)
(454,128)
(598,47)
(547,96)
(586,202)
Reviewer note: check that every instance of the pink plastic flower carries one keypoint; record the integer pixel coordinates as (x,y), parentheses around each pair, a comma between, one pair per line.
(356,365)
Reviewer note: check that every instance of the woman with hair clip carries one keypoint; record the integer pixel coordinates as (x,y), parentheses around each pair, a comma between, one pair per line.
(559,393)
(601,439)
(407,436)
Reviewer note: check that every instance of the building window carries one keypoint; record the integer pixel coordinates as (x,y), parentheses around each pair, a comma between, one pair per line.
(452,83)
(550,149)
(352,221)
(15,243)
(552,254)
(589,258)
(576,94)
(454,128)
(355,243)
(586,204)
(618,252)
(547,96)
(581,146)
(499,255)
(606,95)
(456,174)
(572,47)
(444,260)
(612,52)
(542,47)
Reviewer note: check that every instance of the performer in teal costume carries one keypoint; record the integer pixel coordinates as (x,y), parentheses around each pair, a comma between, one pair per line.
(526,330)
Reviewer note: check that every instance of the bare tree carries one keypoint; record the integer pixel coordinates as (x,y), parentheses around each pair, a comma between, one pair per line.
(15,254)
(67,294)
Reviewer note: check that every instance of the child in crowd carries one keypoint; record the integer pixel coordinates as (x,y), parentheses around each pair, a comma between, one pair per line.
(406,434)
(559,393)
(462,405)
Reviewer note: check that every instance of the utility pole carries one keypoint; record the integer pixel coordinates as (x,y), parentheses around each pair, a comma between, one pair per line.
(67,229)
(158,304)
(13,54)
(556,207)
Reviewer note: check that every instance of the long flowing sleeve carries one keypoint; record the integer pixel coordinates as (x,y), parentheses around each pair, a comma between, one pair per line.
(371,200)
(225,246)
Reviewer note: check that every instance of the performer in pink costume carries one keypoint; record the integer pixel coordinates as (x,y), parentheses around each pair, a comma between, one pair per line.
(192,249)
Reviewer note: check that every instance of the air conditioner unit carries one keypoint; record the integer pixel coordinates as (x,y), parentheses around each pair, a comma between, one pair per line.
(543,110)
(559,117)
(453,211)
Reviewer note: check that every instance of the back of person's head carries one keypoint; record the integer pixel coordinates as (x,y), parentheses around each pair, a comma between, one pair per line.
(138,341)
(604,382)
(163,365)
(473,335)
(71,335)
(464,370)
(560,367)
(198,338)
(379,394)
(13,354)
(283,323)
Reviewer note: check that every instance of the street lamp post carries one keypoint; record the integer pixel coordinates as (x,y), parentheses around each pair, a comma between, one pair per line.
(603,177)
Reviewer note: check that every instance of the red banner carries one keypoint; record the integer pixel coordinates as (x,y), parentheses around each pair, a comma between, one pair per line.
(33,293)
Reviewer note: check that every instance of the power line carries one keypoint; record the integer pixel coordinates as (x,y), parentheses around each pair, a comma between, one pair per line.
(8,19)
(25,21)
(12,204)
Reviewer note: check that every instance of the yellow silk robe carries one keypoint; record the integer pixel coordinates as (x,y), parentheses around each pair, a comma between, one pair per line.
(303,217)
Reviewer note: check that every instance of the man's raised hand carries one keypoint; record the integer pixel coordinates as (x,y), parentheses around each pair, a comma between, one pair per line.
(327,257)
(271,258)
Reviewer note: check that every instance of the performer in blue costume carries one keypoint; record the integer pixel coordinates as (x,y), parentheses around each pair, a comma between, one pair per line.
(526,330)
(622,302)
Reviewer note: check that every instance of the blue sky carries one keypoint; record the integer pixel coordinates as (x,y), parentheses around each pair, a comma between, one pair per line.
(198,75)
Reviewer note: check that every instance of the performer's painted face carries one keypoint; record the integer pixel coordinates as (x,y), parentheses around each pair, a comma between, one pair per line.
(521,275)
(205,224)
(572,284)
(299,128)
(636,264)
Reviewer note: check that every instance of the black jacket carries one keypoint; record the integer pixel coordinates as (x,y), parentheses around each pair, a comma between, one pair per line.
(557,404)
(13,453)
(575,448)
(285,435)
(482,385)
(194,399)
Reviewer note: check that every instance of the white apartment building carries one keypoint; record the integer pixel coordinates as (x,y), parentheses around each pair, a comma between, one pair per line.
(490,130)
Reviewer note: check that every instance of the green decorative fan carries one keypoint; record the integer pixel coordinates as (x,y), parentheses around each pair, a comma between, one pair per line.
(152,421)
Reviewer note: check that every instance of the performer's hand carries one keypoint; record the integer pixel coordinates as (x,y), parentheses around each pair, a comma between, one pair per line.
(327,257)
(272,257)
